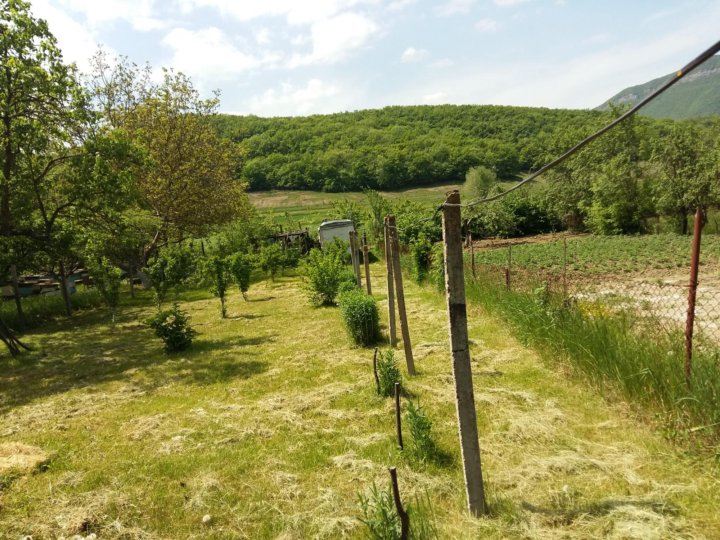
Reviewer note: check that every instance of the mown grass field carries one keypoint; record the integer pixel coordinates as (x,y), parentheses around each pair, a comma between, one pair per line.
(270,426)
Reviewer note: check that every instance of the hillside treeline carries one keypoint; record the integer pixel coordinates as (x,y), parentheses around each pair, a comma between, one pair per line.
(642,169)
(394,147)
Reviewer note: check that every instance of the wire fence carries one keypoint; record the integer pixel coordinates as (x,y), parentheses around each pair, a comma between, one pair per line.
(656,296)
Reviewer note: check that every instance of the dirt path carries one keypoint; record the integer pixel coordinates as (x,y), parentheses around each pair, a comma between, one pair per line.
(270,427)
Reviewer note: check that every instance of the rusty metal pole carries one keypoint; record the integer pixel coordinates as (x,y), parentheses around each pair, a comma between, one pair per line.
(564,267)
(509,267)
(460,352)
(692,294)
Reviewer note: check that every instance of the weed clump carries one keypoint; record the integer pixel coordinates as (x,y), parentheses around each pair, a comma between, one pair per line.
(383,523)
(423,445)
(173,327)
(388,372)
(360,313)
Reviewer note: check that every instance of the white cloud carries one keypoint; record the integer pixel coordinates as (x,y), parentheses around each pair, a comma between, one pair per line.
(509,3)
(335,38)
(486,25)
(291,100)
(411,54)
(262,36)
(294,11)
(436,97)
(453,7)
(208,52)
(399,5)
(139,13)
(77,42)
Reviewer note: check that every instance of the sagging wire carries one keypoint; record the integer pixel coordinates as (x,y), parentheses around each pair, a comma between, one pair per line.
(700,59)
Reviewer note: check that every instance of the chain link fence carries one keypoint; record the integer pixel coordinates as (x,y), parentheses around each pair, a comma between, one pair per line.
(639,281)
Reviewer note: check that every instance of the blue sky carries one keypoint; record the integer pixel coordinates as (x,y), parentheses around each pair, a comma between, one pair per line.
(285,57)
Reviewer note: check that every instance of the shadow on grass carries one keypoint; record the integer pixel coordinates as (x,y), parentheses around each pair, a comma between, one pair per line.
(566,516)
(87,351)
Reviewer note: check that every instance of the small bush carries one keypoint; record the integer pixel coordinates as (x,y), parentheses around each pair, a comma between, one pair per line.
(437,267)
(272,260)
(388,372)
(324,274)
(421,252)
(423,445)
(241,266)
(361,316)
(173,327)
(379,514)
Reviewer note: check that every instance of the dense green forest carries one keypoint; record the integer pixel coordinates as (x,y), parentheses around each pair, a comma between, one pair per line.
(643,169)
(394,147)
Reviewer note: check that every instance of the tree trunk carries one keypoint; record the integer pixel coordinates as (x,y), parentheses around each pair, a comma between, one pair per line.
(18,299)
(64,289)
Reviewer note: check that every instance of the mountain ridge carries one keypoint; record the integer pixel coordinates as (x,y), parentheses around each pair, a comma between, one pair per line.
(695,95)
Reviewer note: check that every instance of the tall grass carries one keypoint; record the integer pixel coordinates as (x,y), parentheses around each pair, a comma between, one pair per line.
(619,350)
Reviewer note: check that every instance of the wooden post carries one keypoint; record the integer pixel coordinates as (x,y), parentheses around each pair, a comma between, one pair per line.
(398,416)
(404,517)
(377,379)
(565,289)
(354,257)
(16,294)
(399,291)
(462,372)
(390,286)
(692,294)
(366,261)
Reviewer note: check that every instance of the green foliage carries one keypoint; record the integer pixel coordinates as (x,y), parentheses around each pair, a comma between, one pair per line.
(218,271)
(169,268)
(379,208)
(107,278)
(413,219)
(437,267)
(388,372)
(421,253)
(423,445)
(360,313)
(240,266)
(324,274)
(43,308)
(173,327)
(379,514)
(272,259)
(479,182)
(340,248)
(347,209)
(383,523)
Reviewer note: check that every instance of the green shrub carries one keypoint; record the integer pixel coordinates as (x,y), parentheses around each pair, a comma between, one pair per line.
(379,514)
(437,267)
(324,274)
(173,327)
(360,313)
(388,372)
(169,269)
(240,266)
(421,253)
(217,271)
(107,278)
(420,426)
(271,259)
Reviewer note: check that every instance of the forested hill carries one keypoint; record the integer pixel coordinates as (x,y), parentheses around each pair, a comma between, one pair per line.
(694,96)
(394,147)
